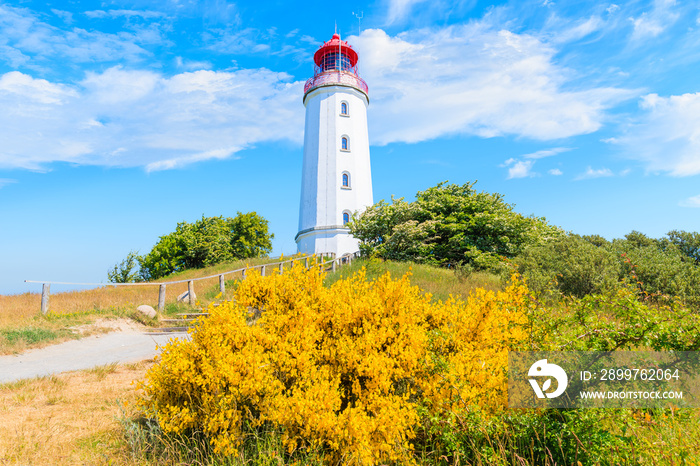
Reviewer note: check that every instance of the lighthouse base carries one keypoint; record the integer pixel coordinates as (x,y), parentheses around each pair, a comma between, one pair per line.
(336,239)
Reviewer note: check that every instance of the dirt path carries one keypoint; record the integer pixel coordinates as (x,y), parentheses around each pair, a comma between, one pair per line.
(127,343)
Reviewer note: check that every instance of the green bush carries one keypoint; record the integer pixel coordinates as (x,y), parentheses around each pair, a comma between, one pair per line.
(545,437)
(571,265)
(688,244)
(205,242)
(448,224)
(659,268)
(578,266)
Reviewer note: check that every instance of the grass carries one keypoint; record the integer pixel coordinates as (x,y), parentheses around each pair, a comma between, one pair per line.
(439,282)
(71,418)
(23,327)
(29,335)
(88,417)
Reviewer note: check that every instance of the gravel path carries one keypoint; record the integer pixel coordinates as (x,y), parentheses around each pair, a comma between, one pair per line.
(121,347)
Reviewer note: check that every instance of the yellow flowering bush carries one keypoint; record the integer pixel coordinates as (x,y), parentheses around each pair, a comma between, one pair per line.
(345,369)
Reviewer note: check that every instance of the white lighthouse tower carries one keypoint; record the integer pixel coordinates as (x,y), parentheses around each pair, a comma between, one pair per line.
(336,177)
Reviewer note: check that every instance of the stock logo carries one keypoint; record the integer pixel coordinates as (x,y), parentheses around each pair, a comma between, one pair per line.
(542,369)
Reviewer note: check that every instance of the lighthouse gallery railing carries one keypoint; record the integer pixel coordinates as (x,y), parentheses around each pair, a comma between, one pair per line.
(329,78)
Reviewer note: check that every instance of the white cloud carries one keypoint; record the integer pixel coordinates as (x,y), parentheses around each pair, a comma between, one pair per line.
(190,65)
(66,16)
(555,172)
(591,173)
(580,30)
(521,169)
(399,9)
(145,14)
(546,153)
(116,86)
(25,35)
(666,138)
(142,118)
(651,24)
(471,79)
(5,181)
(691,202)
(34,91)
(249,41)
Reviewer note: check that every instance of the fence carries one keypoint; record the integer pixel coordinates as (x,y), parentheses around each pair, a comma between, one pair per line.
(334,262)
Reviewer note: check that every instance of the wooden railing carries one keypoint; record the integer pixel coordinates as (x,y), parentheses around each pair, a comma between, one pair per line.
(331,264)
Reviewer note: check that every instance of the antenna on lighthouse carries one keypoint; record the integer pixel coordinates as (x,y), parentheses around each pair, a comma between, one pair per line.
(359,21)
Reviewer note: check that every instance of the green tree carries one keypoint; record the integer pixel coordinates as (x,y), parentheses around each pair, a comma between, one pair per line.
(208,241)
(571,264)
(127,271)
(250,237)
(580,266)
(659,267)
(448,224)
(640,240)
(688,243)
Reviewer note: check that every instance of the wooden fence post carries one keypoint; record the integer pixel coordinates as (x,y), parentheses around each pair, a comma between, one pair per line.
(334,264)
(281,267)
(45,298)
(190,292)
(262,271)
(306,262)
(161,298)
(243,274)
(222,285)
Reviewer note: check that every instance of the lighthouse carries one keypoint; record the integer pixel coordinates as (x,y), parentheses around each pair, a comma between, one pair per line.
(336,179)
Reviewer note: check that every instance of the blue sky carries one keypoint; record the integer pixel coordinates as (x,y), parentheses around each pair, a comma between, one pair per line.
(122,118)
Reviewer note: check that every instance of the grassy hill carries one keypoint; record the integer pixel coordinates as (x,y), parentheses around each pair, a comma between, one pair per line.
(655,437)
(22,326)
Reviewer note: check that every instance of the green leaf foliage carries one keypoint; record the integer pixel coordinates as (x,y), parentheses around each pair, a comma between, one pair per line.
(579,266)
(570,264)
(688,243)
(208,241)
(448,224)
(127,271)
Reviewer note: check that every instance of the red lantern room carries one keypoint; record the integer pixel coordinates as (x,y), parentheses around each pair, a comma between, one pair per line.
(335,63)
(334,55)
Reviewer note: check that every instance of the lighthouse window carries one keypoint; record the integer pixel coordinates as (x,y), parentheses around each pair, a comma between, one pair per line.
(346,180)
(344,108)
(344,145)
(346,217)
(330,62)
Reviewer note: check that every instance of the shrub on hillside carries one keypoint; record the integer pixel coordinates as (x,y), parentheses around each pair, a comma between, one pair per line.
(659,267)
(570,264)
(687,242)
(205,242)
(354,370)
(448,224)
(579,266)
(621,319)
(613,321)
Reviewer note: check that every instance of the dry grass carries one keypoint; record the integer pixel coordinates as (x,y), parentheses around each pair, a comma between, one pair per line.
(71,309)
(67,419)
(109,297)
